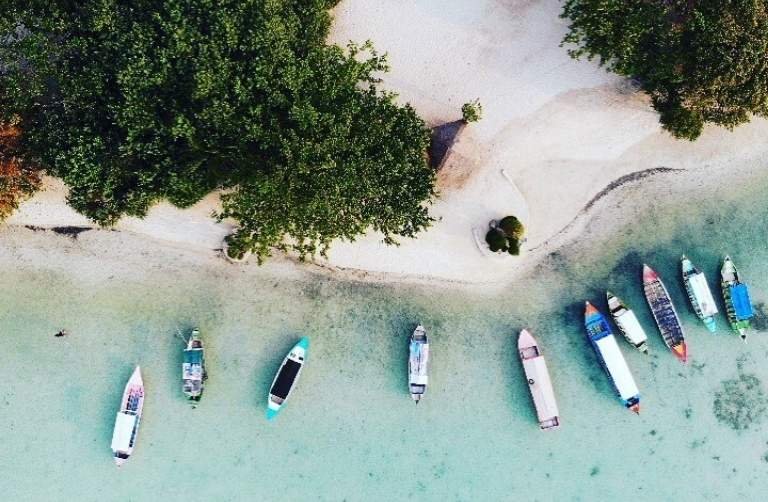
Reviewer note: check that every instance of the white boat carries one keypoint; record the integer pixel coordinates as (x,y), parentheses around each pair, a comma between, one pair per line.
(699,294)
(286,377)
(627,322)
(128,418)
(539,383)
(418,362)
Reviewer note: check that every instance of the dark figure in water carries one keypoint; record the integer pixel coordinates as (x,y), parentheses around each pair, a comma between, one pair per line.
(63,332)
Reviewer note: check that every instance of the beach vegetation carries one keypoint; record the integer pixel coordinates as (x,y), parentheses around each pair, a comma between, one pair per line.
(496,240)
(699,62)
(505,235)
(133,103)
(18,179)
(471,111)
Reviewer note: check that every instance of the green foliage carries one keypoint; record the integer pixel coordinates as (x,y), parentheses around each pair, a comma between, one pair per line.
(134,102)
(514,247)
(512,227)
(496,240)
(506,236)
(700,62)
(472,111)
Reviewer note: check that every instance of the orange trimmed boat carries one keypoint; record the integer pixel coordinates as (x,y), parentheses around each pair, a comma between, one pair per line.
(664,313)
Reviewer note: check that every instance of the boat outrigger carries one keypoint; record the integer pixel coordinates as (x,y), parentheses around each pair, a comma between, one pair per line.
(193,372)
(610,357)
(286,377)
(627,322)
(539,383)
(664,313)
(128,418)
(699,294)
(738,306)
(418,363)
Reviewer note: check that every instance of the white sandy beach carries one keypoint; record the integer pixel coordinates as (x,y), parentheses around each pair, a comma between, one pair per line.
(555,133)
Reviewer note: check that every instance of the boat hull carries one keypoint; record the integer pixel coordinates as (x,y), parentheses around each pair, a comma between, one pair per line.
(286,378)
(128,419)
(699,294)
(627,322)
(664,314)
(610,357)
(738,306)
(418,363)
(539,381)
(193,373)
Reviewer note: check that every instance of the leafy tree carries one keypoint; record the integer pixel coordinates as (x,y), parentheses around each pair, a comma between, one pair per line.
(512,227)
(471,111)
(17,179)
(700,61)
(134,102)
(506,235)
(496,240)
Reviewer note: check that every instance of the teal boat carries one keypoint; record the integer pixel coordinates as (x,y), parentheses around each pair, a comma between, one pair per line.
(193,374)
(287,377)
(699,294)
(738,306)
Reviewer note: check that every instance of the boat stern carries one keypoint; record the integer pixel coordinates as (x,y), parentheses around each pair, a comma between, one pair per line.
(681,352)
(711,324)
(635,408)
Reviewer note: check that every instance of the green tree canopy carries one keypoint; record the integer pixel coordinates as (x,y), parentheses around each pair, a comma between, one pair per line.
(699,60)
(133,102)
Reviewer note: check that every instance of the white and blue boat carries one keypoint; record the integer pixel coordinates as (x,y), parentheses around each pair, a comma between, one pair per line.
(286,378)
(699,294)
(418,363)
(738,305)
(610,357)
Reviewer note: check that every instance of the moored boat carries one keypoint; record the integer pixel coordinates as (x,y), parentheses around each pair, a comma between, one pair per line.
(664,313)
(539,383)
(418,363)
(627,322)
(699,294)
(128,418)
(610,357)
(738,305)
(193,372)
(286,377)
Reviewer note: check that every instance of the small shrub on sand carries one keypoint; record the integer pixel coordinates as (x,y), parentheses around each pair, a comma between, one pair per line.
(496,240)
(472,111)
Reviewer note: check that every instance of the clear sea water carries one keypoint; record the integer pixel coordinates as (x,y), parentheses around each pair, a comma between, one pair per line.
(350,431)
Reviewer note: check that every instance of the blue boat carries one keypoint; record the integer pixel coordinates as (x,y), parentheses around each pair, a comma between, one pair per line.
(611,359)
(738,305)
(286,378)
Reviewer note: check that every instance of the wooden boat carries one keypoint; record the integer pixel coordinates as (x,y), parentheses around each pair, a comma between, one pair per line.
(699,294)
(128,418)
(286,378)
(627,322)
(418,363)
(193,372)
(539,383)
(738,305)
(664,313)
(610,357)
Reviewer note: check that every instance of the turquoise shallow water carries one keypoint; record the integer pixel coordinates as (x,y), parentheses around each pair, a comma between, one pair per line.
(350,431)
